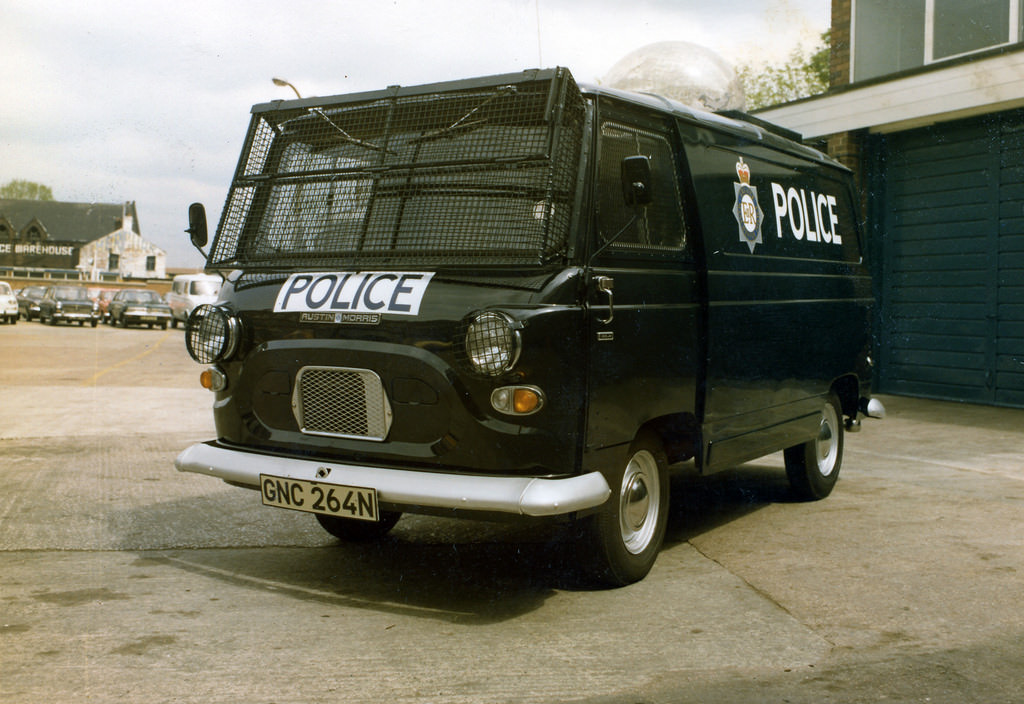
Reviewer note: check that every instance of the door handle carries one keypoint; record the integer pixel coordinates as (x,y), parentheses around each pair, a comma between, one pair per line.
(605,284)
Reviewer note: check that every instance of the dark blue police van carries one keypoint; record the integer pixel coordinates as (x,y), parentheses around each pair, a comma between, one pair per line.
(519,296)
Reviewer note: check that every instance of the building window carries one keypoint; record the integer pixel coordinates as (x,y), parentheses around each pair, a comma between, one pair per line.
(891,37)
(150,263)
(962,27)
(113,261)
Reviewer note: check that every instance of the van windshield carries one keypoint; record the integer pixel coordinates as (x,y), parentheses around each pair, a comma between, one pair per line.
(204,288)
(464,173)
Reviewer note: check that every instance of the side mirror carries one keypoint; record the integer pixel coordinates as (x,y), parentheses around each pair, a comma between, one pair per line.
(197,225)
(636,180)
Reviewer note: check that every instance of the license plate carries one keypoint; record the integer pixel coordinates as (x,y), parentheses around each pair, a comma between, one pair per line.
(314,497)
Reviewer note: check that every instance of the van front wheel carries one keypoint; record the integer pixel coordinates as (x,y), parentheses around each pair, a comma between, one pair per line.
(813,467)
(627,534)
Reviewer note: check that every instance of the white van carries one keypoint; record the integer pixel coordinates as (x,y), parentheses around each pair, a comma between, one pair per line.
(190,290)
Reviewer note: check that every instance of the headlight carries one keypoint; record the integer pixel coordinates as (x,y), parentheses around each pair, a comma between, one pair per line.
(492,343)
(211,334)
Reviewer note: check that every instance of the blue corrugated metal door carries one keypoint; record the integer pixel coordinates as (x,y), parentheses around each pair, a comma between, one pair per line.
(952,261)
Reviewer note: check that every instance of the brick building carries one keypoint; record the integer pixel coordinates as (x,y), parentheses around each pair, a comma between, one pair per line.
(927,105)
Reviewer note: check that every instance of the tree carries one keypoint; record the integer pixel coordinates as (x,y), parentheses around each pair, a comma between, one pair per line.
(25,190)
(804,74)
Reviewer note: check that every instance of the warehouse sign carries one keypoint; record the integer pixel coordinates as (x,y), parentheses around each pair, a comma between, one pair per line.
(38,254)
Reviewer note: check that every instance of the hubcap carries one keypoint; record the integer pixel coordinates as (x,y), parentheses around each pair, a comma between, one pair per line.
(827,444)
(639,502)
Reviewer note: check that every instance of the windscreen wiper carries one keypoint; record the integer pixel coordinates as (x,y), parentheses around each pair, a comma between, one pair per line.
(464,123)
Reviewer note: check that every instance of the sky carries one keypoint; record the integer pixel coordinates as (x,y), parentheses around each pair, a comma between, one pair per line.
(116,100)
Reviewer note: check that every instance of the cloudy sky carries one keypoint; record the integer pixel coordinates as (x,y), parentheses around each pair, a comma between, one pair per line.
(112,100)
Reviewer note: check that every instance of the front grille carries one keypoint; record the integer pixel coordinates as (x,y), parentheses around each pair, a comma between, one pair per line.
(341,402)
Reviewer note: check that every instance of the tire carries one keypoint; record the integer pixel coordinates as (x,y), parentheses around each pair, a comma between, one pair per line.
(92,323)
(353,531)
(174,323)
(813,467)
(625,537)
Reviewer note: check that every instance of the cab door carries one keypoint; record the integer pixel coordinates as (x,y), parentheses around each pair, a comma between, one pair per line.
(642,305)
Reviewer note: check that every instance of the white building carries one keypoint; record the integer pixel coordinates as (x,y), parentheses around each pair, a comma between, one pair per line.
(92,241)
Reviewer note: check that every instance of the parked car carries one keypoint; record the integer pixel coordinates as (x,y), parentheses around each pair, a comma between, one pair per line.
(8,304)
(188,291)
(70,304)
(133,306)
(28,301)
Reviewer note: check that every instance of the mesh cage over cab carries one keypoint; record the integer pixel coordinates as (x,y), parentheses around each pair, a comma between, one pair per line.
(470,172)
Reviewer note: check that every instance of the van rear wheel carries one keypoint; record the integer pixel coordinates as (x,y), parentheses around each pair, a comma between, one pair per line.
(813,467)
(626,536)
(353,531)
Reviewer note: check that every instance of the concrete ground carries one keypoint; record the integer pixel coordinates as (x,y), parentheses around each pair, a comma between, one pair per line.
(123,580)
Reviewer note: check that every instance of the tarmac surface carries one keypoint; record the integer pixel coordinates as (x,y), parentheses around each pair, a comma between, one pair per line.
(124,580)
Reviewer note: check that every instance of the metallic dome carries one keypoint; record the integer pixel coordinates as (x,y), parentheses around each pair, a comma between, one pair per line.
(682,71)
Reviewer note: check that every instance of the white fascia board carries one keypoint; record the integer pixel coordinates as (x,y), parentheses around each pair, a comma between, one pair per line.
(973,88)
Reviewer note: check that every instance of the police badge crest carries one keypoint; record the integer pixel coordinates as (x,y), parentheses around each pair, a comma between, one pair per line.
(747,211)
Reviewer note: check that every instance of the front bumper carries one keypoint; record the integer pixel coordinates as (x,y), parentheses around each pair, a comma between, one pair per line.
(138,316)
(525,496)
(74,317)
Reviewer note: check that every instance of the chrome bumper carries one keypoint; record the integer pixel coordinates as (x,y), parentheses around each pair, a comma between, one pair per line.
(155,316)
(870,407)
(527,496)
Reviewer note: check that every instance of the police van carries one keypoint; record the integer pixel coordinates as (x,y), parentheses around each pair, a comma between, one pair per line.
(516,296)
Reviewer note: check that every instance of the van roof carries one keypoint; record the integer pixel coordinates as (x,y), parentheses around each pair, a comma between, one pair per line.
(747,128)
(187,277)
(735,123)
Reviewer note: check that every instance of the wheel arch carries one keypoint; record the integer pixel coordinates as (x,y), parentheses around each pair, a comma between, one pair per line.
(679,434)
(847,388)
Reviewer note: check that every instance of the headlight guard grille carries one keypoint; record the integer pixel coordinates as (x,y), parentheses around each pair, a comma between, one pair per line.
(211,334)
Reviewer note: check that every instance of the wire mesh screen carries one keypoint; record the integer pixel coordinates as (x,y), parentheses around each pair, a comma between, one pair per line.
(466,175)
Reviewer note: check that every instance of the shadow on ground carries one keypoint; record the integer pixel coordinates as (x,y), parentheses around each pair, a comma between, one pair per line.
(449,569)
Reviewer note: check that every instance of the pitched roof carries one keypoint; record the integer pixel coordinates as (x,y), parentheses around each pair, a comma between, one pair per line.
(69,222)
